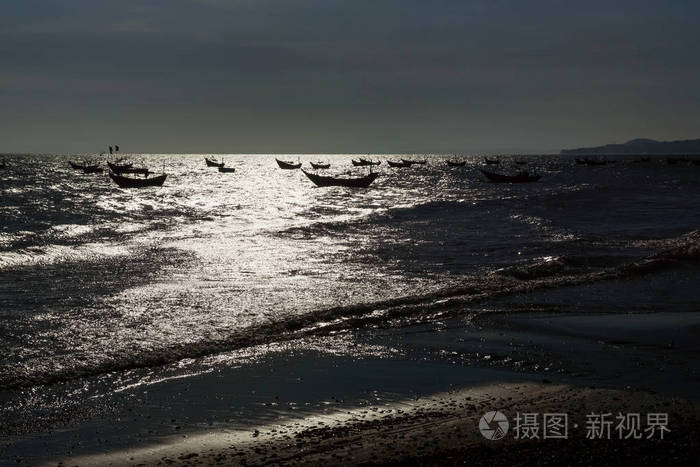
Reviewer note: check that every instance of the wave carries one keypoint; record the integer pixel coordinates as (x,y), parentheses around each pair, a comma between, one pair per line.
(544,273)
(378,217)
(559,265)
(52,254)
(67,243)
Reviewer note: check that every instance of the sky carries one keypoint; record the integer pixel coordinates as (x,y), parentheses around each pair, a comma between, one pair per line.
(345,76)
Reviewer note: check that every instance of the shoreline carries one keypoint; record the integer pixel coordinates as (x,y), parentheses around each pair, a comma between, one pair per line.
(310,406)
(425,430)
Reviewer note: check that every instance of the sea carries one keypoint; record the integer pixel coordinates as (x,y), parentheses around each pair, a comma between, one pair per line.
(102,288)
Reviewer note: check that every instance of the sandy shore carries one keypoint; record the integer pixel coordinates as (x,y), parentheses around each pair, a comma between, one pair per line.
(439,430)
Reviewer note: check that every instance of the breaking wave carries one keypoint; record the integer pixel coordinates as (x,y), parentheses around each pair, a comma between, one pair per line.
(543,273)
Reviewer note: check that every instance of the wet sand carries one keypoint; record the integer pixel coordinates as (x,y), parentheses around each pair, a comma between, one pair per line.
(429,394)
(439,430)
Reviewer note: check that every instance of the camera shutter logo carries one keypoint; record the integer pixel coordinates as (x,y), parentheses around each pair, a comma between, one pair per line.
(493,425)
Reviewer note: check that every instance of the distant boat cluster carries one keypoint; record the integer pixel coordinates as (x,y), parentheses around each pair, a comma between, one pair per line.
(125,174)
(522,176)
(118,168)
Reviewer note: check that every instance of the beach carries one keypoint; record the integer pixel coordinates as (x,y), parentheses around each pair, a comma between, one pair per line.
(435,430)
(418,400)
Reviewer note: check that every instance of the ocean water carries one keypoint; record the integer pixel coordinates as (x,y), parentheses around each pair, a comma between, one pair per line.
(96,281)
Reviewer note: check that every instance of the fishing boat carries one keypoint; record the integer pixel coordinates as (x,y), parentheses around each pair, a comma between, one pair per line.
(456,164)
(213,163)
(114,167)
(397,164)
(320,165)
(354,182)
(410,162)
(364,162)
(76,166)
(288,165)
(137,170)
(128,182)
(131,170)
(227,169)
(491,161)
(521,177)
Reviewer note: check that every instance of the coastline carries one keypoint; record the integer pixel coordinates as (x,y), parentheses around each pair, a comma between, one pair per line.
(410,391)
(417,399)
(439,429)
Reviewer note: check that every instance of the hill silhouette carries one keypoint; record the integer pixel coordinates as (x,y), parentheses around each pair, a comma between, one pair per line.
(642,146)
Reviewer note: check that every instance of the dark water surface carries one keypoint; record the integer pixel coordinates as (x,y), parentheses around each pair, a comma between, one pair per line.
(97,281)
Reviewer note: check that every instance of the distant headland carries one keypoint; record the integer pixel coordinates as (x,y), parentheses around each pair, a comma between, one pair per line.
(642,146)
